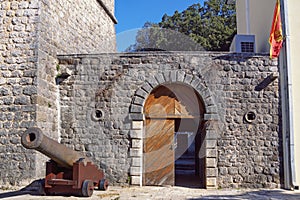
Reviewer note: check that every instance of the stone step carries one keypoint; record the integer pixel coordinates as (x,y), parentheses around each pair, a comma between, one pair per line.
(186,156)
(185,167)
(185,162)
(185,172)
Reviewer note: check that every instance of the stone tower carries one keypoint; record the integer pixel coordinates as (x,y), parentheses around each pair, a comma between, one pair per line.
(32,34)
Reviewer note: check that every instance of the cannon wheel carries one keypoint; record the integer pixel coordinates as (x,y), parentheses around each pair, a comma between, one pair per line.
(87,188)
(103,184)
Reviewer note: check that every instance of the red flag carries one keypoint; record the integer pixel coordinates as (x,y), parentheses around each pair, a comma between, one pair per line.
(276,37)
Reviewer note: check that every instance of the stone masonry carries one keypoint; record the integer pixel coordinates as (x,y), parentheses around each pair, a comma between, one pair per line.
(102,102)
(32,33)
(94,102)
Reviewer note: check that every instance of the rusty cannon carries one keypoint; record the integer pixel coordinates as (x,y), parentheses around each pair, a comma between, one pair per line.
(68,172)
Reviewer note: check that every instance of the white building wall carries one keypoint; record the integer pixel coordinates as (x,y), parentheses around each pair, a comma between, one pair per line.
(254,17)
(294,27)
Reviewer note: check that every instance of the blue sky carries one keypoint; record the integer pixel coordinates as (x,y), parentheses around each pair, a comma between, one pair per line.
(132,14)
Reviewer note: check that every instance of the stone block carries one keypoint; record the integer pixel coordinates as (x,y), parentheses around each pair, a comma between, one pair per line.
(211,182)
(211,144)
(195,82)
(211,162)
(147,87)
(136,134)
(142,93)
(136,116)
(2,81)
(136,108)
(41,117)
(188,78)
(160,78)
(136,143)
(135,180)
(223,171)
(137,125)
(153,82)
(206,93)
(136,162)
(211,172)
(211,153)
(273,68)
(167,76)
(135,152)
(138,100)
(209,101)
(211,117)
(135,171)
(233,170)
(22,100)
(34,4)
(211,135)
(180,76)
(30,90)
(4,91)
(173,76)
(212,109)
(201,87)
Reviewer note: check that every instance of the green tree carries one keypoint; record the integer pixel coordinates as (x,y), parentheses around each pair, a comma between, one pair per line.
(211,26)
(152,37)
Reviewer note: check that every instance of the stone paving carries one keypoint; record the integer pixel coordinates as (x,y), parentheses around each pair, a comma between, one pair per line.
(164,193)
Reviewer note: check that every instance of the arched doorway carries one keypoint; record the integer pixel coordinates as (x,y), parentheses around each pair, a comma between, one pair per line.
(173,137)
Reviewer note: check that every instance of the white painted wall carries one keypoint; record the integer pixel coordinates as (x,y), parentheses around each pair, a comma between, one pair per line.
(294,26)
(254,17)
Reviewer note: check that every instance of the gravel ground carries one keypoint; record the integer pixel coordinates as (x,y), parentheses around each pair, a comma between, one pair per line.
(163,193)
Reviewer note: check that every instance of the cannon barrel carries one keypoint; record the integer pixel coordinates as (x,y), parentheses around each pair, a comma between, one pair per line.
(33,138)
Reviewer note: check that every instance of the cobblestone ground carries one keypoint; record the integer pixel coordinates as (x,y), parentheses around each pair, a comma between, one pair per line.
(164,193)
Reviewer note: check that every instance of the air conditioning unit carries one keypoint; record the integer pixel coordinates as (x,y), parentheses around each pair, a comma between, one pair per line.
(230,1)
(243,44)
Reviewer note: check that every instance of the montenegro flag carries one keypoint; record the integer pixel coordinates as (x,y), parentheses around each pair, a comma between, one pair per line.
(276,37)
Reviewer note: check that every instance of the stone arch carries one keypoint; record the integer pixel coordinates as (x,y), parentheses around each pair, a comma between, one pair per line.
(142,93)
(137,117)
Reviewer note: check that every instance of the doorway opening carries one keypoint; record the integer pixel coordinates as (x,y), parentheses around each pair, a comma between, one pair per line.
(173,143)
(189,164)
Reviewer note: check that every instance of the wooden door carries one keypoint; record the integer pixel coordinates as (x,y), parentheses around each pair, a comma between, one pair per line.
(158,155)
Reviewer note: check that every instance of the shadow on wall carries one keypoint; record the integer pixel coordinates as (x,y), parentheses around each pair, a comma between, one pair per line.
(260,195)
(242,57)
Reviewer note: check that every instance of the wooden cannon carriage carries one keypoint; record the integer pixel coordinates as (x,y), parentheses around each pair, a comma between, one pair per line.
(68,172)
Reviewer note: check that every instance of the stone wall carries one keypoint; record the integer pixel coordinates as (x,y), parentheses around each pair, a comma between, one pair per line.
(97,106)
(66,27)
(102,111)
(18,65)
(81,26)
(32,34)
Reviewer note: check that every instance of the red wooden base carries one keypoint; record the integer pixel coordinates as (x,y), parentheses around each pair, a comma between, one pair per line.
(80,180)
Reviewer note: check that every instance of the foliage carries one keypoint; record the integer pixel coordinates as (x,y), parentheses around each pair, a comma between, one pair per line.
(211,26)
(152,37)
